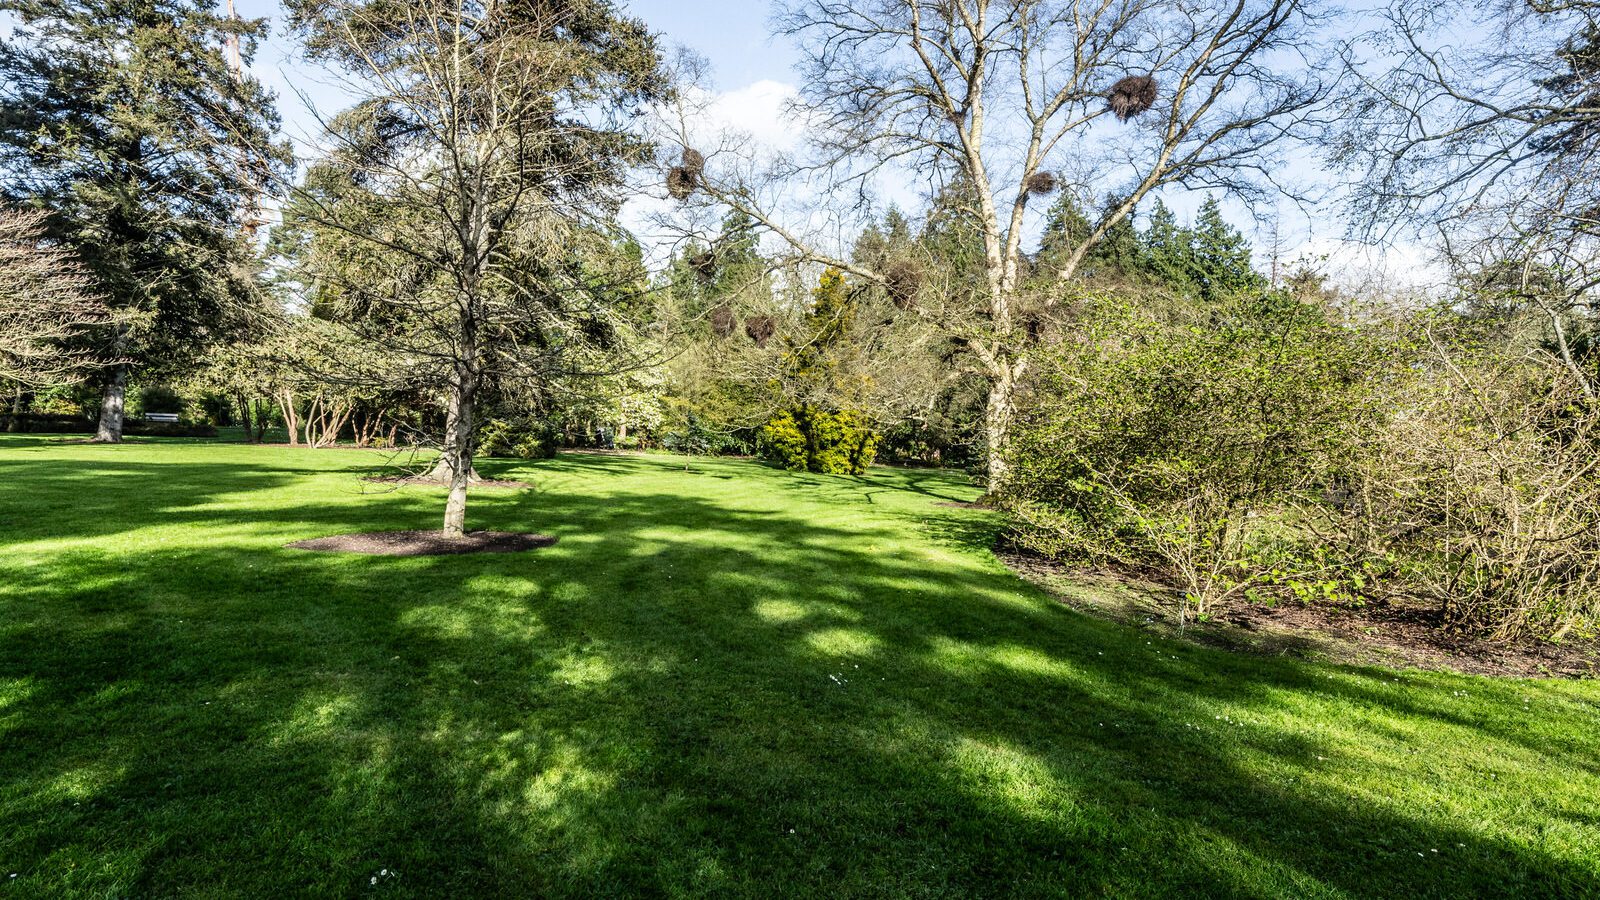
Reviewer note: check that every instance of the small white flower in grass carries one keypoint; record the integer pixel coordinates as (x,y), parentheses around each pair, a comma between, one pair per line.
(383,871)
(375,878)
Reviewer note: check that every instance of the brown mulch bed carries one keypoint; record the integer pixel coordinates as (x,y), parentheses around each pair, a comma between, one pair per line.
(1391,634)
(402,480)
(426,543)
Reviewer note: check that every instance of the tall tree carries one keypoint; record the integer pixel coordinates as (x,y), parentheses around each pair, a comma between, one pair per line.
(997,95)
(1219,256)
(123,118)
(481,167)
(1167,252)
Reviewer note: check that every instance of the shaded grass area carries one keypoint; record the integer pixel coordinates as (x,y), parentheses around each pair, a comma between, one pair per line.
(721,681)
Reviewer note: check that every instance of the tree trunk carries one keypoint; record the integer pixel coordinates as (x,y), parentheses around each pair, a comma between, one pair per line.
(997,425)
(19,408)
(457,455)
(244,417)
(112,406)
(442,473)
(290,420)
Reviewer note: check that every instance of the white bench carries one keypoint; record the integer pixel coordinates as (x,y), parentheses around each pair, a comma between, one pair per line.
(164,418)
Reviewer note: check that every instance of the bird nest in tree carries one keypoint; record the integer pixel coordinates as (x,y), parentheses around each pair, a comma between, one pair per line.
(723,321)
(681,182)
(902,281)
(693,160)
(760,329)
(1131,96)
(1042,183)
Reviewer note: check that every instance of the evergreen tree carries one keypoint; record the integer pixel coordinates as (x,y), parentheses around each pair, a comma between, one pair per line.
(123,118)
(738,266)
(1167,254)
(819,432)
(491,140)
(1220,257)
(1065,227)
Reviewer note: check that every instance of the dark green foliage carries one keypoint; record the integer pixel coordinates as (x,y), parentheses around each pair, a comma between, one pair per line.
(1115,255)
(520,439)
(123,120)
(1220,257)
(1573,132)
(159,398)
(48,424)
(1167,255)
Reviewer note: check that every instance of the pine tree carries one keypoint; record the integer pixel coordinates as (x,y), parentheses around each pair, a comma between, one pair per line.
(1065,227)
(123,119)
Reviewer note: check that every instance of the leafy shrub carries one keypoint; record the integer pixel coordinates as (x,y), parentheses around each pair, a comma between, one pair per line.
(1269,453)
(159,398)
(690,433)
(1485,496)
(1161,444)
(784,443)
(52,424)
(811,439)
(521,439)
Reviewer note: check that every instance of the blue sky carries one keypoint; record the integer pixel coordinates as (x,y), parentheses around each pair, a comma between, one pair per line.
(753,74)
(732,34)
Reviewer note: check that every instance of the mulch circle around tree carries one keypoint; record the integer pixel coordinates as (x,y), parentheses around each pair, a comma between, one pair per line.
(426,543)
(430,482)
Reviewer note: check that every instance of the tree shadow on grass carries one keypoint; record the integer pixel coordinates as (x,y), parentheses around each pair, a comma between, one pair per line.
(694,694)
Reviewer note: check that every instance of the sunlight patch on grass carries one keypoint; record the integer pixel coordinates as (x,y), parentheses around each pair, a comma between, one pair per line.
(590,670)
(843,642)
(86,782)
(316,715)
(779,612)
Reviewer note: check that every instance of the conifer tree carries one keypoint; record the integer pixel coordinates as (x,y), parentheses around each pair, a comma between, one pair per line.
(1219,256)
(1168,256)
(122,118)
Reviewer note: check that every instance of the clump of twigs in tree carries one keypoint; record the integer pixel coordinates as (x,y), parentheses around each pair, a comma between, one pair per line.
(681,182)
(704,265)
(1042,184)
(902,280)
(723,321)
(1131,96)
(760,329)
(684,178)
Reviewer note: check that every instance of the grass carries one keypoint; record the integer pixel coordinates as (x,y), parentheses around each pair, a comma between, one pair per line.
(724,681)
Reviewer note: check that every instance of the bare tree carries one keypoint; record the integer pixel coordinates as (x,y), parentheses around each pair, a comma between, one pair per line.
(1013,99)
(47,304)
(468,194)
(1476,127)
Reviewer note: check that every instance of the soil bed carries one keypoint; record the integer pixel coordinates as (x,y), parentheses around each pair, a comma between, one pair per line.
(403,480)
(425,543)
(1391,634)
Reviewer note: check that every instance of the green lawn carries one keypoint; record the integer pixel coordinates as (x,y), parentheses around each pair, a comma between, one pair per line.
(728,681)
